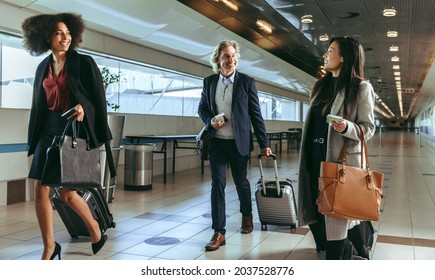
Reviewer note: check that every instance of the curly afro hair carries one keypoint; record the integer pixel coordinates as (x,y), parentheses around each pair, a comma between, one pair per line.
(38,29)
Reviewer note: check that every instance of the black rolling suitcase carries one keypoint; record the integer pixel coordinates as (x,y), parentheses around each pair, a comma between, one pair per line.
(73,222)
(276,203)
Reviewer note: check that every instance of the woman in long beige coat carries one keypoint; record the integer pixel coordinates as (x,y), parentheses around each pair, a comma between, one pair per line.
(343,92)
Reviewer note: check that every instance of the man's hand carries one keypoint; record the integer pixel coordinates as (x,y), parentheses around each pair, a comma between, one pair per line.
(266,151)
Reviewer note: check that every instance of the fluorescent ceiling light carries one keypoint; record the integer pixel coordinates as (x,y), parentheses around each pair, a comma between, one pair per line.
(396,73)
(395,58)
(396,67)
(307,19)
(389,12)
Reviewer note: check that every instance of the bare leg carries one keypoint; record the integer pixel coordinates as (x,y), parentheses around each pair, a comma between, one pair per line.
(77,203)
(44,214)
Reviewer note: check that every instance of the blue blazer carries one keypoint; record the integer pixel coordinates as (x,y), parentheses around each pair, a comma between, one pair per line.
(244,112)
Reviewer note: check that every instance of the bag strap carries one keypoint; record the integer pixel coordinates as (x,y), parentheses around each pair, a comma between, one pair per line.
(342,157)
(364,152)
(67,126)
(202,133)
(363,148)
(76,133)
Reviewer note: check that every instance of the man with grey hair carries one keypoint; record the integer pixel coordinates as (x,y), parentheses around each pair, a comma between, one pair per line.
(229,105)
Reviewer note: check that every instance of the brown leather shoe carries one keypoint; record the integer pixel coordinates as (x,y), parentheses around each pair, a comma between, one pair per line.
(247,225)
(216,241)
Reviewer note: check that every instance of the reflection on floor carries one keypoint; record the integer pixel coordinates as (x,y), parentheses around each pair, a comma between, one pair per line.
(172,221)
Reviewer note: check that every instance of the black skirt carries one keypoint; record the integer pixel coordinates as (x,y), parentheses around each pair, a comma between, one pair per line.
(54,125)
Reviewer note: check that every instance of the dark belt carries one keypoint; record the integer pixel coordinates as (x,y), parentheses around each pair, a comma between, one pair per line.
(318,140)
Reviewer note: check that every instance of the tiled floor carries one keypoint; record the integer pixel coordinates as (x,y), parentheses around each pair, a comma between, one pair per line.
(172,221)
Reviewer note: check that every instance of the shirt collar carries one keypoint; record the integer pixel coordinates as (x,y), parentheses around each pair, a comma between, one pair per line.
(231,78)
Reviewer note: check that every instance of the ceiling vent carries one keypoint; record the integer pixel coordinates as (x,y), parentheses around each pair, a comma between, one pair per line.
(347,15)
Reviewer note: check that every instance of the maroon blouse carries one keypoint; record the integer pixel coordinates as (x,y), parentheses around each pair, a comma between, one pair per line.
(57,91)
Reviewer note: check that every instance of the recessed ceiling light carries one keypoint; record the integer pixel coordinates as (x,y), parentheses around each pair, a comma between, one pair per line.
(395,58)
(229,4)
(324,37)
(396,73)
(392,33)
(389,12)
(394,48)
(266,27)
(307,19)
(396,67)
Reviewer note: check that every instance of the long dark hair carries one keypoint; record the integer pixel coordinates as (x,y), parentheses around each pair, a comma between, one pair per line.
(350,77)
(38,29)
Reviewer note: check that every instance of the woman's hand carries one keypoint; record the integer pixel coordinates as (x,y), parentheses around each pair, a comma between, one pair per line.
(80,113)
(339,126)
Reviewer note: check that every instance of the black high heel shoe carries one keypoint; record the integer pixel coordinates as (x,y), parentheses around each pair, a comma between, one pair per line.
(56,251)
(97,246)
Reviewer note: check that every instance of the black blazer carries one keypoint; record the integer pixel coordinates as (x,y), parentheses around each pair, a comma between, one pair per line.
(244,112)
(86,84)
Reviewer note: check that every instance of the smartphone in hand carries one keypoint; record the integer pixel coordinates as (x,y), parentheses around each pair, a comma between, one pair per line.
(330,118)
(221,118)
(68,113)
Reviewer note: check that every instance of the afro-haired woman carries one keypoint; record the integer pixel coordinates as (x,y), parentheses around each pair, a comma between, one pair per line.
(64,79)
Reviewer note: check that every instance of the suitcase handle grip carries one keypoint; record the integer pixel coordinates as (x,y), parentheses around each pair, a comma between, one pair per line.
(272,156)
(263,186)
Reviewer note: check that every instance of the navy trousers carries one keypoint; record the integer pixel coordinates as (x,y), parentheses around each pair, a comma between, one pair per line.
(222,154)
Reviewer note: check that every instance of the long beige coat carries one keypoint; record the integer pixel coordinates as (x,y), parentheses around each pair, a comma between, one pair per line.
(336,229)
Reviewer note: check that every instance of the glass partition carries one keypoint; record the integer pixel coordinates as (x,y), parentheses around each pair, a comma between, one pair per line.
(137,88)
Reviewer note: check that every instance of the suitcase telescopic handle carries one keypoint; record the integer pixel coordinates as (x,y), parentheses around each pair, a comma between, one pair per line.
(260,155)
(263,185)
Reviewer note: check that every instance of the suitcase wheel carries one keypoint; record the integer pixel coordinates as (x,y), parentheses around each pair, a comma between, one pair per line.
(293,227)
(113,225)
(263,226)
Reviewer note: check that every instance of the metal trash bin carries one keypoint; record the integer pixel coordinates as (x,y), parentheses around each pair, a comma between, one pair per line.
(138,167)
